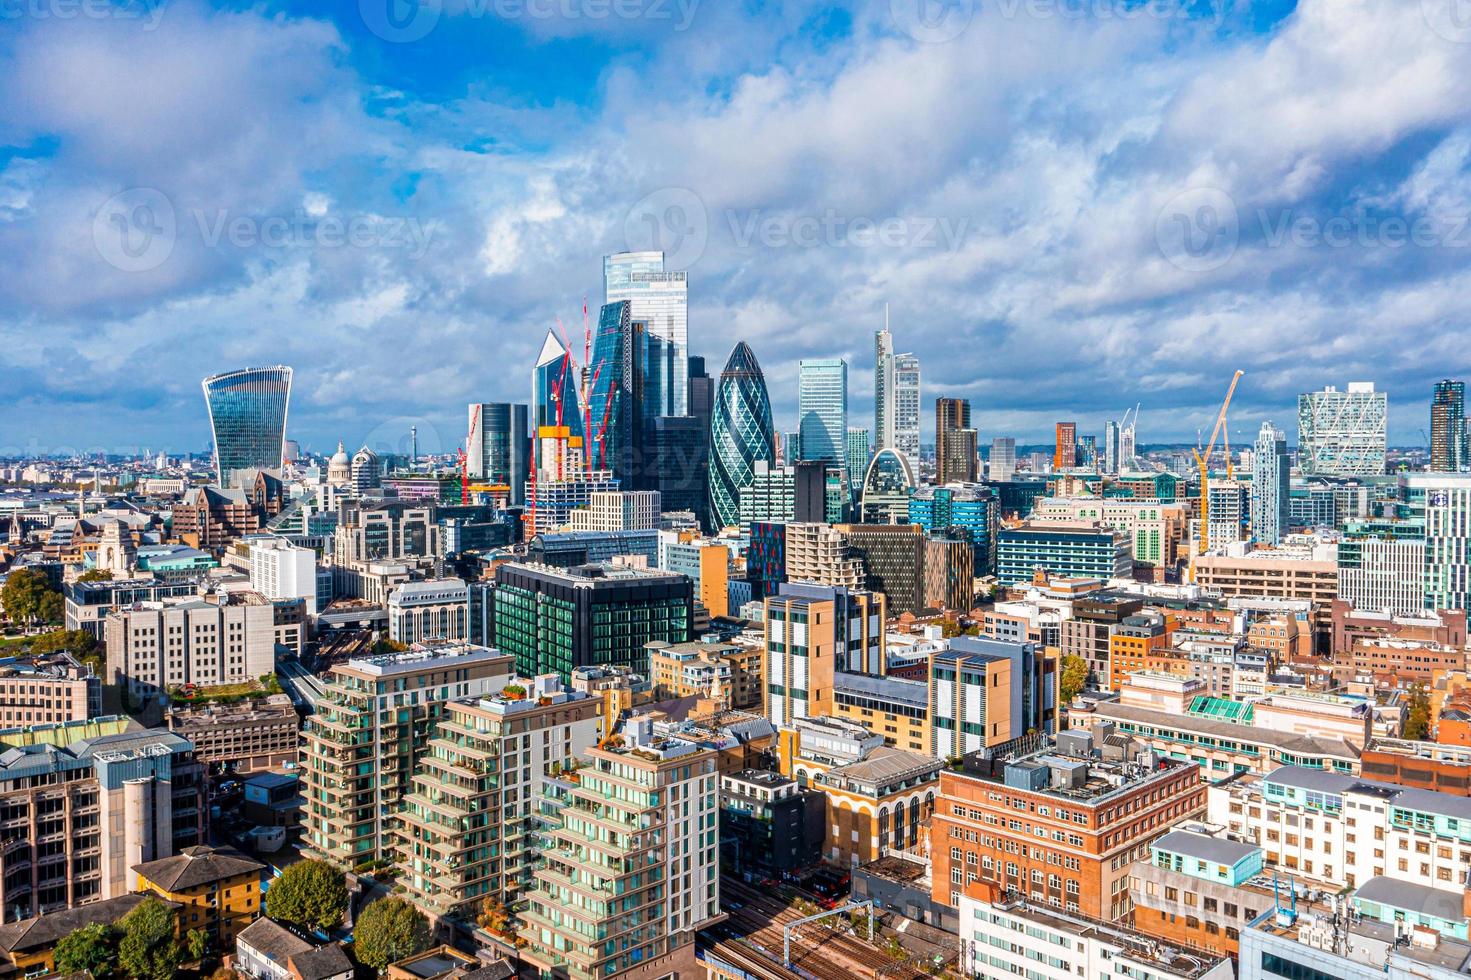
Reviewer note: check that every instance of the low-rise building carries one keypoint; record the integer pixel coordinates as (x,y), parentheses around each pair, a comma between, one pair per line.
(206,641)
(1059,825)
(257,733)
(895,708)
(434,611)
(1178,717)
(1075,549)
(1386,930)
(1199,890)
(216,889)
(47,689)
(680,670)
(768,824)
(1004,939)
(1345,830)
(266,950)
(28,946)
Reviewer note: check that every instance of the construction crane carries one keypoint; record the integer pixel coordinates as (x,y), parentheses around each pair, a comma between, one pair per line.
(1203,461)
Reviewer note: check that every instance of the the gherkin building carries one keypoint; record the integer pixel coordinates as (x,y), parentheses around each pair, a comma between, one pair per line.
(740,433)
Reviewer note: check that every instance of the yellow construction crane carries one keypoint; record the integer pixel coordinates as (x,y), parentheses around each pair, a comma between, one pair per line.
(1204,463)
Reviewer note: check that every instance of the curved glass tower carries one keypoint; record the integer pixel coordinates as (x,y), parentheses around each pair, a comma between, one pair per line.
(740,433)
(247,412)
(886,488)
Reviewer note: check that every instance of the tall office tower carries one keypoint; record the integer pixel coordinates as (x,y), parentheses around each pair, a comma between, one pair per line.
(1065,452)
(883,386)
(1003,460)
(896,387)
(1111,448)
(660,300)
(1128,460)
(790,448)
(680,463)
(740,433)
(906,408)
(955,451)
(857,459)
(822,409)
(498,448)
(247,414)
(1342,433)
(1448,447)
(701,389)
(1088,452)
(554,384)
(1229,512)
(1271,478)
(624,399)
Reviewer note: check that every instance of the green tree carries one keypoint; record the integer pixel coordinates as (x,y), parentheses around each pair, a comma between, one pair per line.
(1074,677)
(23,596)
(311,894)
(149,949)
(92,947)
(95,575)
(389,930)
(79,643)
(53,607)
(1417,722)
(198,945)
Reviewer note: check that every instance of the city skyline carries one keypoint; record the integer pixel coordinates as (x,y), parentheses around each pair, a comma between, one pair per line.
(1034,246)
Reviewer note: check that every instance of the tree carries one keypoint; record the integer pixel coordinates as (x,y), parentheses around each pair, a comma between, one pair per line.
(92,947)
(79,643)
(95,575)
(311,894)
(23,594)
(148,950)
(1417,721)
(52,608)
(198,945)
(494,916)
(389,930)
(1074,677)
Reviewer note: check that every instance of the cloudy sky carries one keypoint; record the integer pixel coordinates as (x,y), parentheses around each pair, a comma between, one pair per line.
(1070,206)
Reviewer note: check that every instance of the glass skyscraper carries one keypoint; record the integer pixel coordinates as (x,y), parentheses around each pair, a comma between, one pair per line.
(247,413)
(740,433)
(660,300)
(553,381)
(498,449)
(1448,448)
(822,409)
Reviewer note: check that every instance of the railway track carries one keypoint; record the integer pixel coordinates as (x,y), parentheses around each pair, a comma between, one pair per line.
(834,955)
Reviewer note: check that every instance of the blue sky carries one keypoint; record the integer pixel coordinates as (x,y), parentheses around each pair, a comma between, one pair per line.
(1070,206)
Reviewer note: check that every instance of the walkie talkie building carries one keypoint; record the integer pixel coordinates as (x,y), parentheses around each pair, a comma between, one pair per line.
(247,412)
(740,434)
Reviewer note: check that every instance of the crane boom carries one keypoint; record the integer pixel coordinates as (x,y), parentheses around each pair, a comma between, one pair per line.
(1204,463)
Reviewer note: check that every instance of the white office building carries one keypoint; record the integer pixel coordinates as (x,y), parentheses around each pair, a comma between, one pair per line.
(1003,460)
(1004,940)
(1271,489)
(281,570)
(896,394)
(1342,433)
(1446,498)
